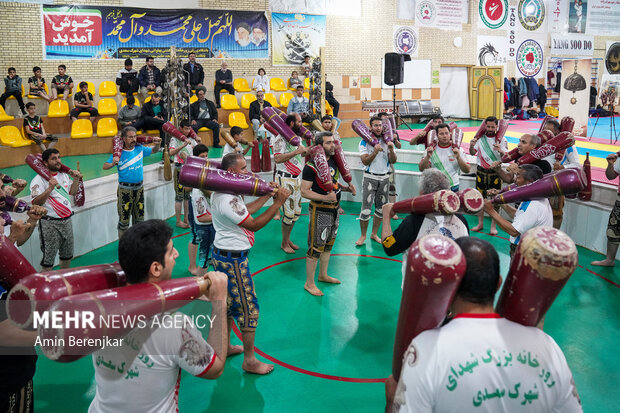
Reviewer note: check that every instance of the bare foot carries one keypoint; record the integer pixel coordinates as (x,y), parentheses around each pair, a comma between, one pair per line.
(493,231)
(313,290)
(293,246)
(375,238)
(232,350)
(328,279)
(276,217)
(604,263)
(340,211)
(360,241)
(477,228)
(257,367)
(195,271)
(182,225)
(286,248)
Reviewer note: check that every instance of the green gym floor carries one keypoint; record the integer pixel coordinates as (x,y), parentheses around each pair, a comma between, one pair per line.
(333,352)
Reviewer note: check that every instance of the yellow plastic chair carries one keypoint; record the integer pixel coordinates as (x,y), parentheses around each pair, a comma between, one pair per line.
(229,102)
(204,129)
(329,110)
(81,129)
(277,84)
(193,99)
(307,83)
(148,99)
(91,87)
(4,116)
(246,100)
(107,107)
(47,92)
(152,132)
(285,99)
(237,119)
(23,92)
(107,88)
(136,103)
(271,98)
(10,136)
(307,95)
(241,85)
(58,109)
(107,127)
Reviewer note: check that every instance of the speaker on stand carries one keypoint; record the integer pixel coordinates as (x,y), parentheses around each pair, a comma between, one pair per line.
(394,74)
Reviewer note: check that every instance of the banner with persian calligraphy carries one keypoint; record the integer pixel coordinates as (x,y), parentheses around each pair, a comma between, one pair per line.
(94,32)
(295,36)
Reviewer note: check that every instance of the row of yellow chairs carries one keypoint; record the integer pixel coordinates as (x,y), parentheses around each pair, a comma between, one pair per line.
(229,102)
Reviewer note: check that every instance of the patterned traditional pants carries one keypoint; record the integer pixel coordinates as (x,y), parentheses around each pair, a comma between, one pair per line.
(324,220)
(613,226)
(291,209)
(130,204)
(374,190)
(56,237)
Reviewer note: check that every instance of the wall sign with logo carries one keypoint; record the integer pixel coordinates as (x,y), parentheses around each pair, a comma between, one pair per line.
(532,14)
(493,14)
(406,40)
(441,14)
(572,45)
(529,58)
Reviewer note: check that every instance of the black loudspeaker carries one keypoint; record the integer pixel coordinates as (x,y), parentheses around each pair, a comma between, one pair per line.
(394,69)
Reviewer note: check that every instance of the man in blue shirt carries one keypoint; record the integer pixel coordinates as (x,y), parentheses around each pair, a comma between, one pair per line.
(299,104)
(130,202)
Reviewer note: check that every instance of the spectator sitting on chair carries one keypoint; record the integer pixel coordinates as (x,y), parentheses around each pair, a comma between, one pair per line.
(83,101)
(329,97)
(204,114)
(34,130)
(62,83)
(306,66)
(261,81)
(154,116)
(129,115)
(13,87)
(36,84)
(127,78)
(223,80)
(194,75)
(299,104)
(294,81)
(149,78)
(256,108)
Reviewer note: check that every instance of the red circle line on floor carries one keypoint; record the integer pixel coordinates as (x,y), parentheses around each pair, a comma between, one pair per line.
(299,369)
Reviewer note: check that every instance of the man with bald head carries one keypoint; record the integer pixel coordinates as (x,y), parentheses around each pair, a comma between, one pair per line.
(223,80)
(527,143)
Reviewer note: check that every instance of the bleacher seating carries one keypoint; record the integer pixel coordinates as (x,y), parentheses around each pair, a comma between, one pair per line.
(241,85)
(107,127)
(11,136)
(285,98)
(237,119)
(136,103)
(229,102)
(107,88)
(246,100)
(271,98)
(107,107)
(4,116)
(307,83)
(277,85)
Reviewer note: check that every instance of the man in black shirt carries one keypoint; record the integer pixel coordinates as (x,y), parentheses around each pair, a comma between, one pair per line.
(415,226)
(256,108)
(204,114)
(194,75)
(223,80)
(323,211)
(83,101)
(34,129)
(154,115)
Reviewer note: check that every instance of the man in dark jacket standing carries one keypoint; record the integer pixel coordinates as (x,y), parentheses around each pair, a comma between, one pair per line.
(223,80)
(149,78)
(195,75)
(204,114)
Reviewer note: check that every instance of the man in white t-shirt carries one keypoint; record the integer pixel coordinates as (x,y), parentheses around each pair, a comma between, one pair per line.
(55,228)
(203,227)
(480,361)
(181,150)
(289,164)
(613,225)
(530,214)
(144,374)
(446,157)
(487,150)
(376,181)
(234,236)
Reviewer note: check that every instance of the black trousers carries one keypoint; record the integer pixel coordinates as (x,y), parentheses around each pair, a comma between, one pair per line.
(153,123)
(216,91)
(211,124)
(335,104)
(18,96)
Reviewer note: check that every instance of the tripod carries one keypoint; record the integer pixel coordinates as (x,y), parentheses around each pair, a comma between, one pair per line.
(396,114)
(613,134)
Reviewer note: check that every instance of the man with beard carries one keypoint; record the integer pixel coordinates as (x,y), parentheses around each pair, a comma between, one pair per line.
(323,211)
(488,150)
(289,164)
(376,180)
(527,143)
(55,228)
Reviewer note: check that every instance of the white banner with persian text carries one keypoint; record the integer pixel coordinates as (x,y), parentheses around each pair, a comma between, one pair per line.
(324,7)
(603,17)
(440,14)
